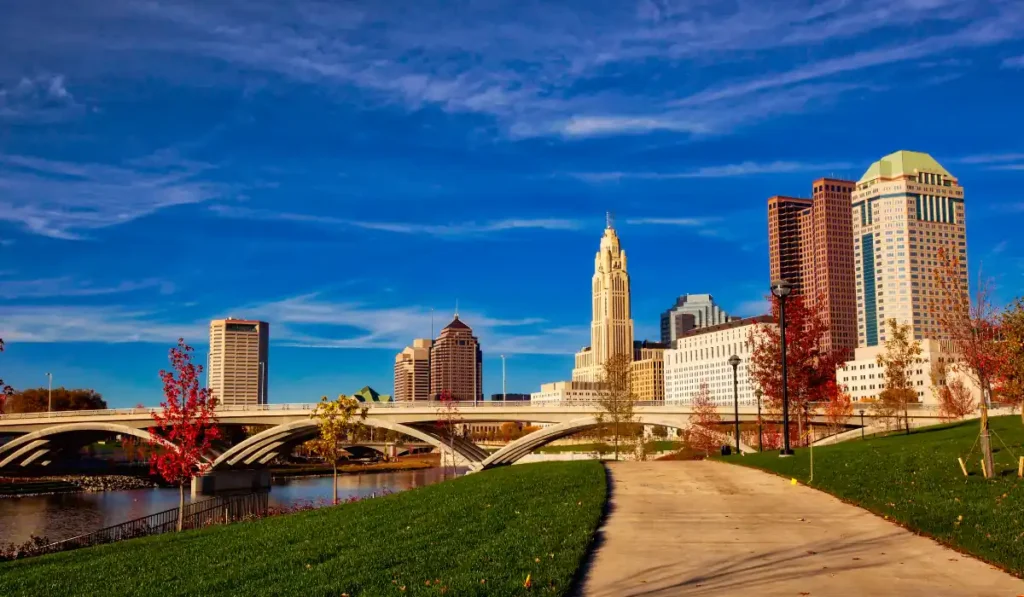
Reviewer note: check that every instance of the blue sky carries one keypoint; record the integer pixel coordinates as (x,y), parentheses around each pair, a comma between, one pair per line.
(340,168)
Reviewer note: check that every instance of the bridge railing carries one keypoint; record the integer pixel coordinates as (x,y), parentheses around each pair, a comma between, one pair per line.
(220,509)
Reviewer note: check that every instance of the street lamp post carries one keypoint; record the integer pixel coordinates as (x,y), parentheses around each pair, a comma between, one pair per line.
(781,289)
(49,394)
(862,424)
(735,362)
(758,393)
(504,396)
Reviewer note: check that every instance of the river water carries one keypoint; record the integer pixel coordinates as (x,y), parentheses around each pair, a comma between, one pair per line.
(69,514)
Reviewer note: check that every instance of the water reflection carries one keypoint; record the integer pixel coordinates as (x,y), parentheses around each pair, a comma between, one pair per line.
(66,515)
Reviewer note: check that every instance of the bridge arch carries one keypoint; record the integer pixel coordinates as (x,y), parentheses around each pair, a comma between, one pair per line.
(542,437)
(282,439)
(32,447)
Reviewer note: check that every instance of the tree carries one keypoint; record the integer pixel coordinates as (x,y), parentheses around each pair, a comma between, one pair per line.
(838,410)
(449,421)
(5,390)
(338,423)
(701,434)
(186,420)
(1012,374)
(972,327)
(811,370)
(954,397)
(616,399)
(659,431)
(38,399)
(902,352)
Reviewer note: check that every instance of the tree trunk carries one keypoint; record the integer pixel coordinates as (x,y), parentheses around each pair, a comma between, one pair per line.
(181,504)
(906,418)
(616,439)
(335,468)
(986,446)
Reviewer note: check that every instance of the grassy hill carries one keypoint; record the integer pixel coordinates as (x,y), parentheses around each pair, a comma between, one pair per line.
(916,481)
(477,535)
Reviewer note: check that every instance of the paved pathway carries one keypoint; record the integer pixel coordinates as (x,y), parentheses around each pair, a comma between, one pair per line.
(706,528)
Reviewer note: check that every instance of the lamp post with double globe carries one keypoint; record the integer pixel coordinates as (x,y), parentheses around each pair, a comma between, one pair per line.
(782,289)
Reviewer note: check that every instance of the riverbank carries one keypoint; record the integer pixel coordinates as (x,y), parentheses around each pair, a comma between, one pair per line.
(11,487)
(482,534)
(406,463)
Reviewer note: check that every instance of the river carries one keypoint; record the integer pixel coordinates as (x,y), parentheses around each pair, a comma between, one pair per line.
(66,515)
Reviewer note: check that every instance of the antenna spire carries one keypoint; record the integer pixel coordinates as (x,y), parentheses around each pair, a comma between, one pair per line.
(456,308)
(609,220)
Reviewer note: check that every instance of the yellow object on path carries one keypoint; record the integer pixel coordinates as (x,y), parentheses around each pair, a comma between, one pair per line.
(792,481)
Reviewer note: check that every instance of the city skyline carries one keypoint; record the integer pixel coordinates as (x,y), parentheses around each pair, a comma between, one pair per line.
(177,172)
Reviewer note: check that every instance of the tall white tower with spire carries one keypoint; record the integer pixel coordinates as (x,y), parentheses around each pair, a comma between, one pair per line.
(611,326)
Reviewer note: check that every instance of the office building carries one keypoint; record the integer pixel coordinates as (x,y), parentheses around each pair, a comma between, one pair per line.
(237,365)
(784,247)
(647,371)
(864,379)
(456,363)
(611,327)
(701,356)
(690,311)
(510,397)
(567,392)
(412,371)
(906,208)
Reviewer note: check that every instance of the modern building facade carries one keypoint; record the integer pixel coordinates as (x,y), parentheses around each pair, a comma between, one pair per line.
(784,247)
(237,368)
(510,397)
(456,363)
(906,208)
(864,379)
(702,357)
(567,392)
(647,371)
(611,327)
(690,311)
(412,371)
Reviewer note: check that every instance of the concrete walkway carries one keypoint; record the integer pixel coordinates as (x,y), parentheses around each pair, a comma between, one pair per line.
(706,528)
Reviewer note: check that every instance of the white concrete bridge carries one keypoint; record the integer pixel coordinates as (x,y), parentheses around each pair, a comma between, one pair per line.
(39,438)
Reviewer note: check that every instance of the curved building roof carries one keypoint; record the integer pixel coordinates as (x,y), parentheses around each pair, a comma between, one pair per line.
(902,163)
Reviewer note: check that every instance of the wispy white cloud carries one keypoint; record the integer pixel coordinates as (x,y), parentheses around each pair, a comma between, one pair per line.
(68,286)
(1013,62)
(64,199)
(719,171)
(686,222)
(39,99)
(990,158)
(753,308)
(303,321)
(453,230)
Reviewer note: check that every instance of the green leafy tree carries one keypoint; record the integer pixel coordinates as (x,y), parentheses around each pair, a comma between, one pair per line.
(616,399)
(338,423)
(902,352)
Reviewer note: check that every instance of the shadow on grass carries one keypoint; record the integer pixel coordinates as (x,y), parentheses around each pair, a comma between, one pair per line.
(578,579)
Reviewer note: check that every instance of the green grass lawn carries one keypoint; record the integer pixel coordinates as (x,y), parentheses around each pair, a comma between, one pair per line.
(481,534)
(916,481)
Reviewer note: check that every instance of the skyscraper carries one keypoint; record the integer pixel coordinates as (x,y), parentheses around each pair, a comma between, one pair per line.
(456,363)
(412,371)
(784,214)
(811,246)
(611,328)
(691,311)
(237,367)
(905,208)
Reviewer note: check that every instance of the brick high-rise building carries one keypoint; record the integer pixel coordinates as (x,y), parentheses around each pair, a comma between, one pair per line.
(784,256)
(905,208)
(811,246)
(412,371)
(456,363)
(237,366)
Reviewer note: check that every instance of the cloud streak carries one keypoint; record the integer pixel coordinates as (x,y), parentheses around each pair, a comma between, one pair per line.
(719,171)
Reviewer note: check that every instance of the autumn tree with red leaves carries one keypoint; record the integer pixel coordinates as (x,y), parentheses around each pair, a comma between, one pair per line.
(701,435)
(186,424)
(954,397)
(811,370)
(972,327)
(838,411)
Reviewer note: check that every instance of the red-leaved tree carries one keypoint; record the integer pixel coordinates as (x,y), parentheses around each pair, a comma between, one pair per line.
(186,422)
(702,434)
(811,370)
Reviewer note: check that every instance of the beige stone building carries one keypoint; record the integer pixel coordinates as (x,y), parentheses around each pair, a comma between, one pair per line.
(864,379)
(906,208)
(237,365)
(647,371)
(611,326)
(566,392)
(412,371)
